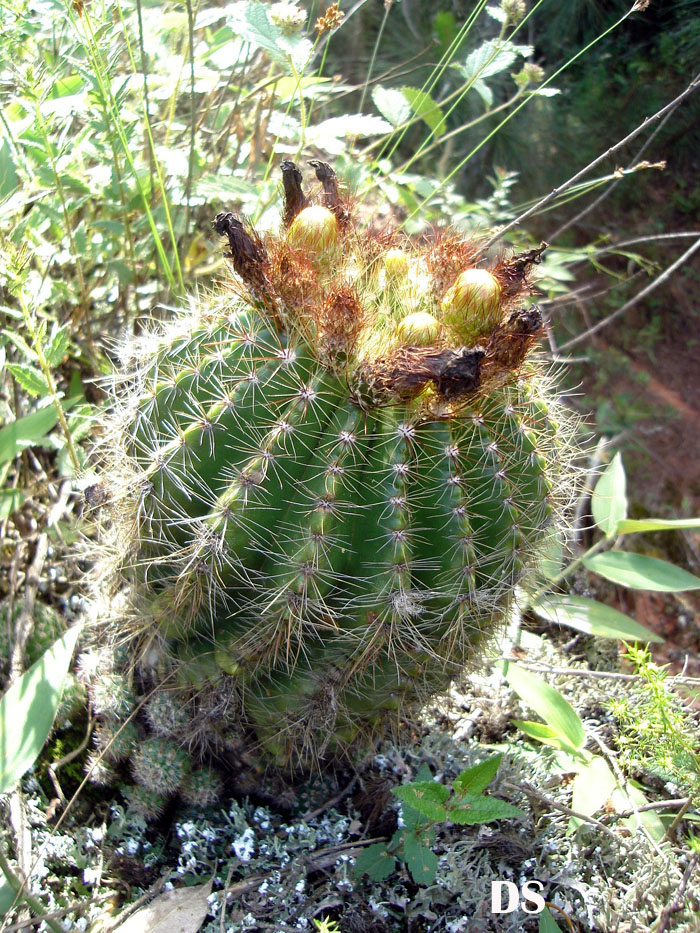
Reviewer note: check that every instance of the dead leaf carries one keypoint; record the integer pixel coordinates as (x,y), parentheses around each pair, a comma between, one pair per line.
(179,911)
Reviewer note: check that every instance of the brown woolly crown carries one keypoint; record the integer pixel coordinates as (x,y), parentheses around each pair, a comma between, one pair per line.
(402,320)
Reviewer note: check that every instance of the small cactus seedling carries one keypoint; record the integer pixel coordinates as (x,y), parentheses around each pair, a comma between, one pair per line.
(325,482)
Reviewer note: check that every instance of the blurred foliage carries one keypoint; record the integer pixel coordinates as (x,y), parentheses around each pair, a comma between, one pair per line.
(627,76)
(624,77)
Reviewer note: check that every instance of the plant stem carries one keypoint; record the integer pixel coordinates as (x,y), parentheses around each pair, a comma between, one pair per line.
(433,79)
(48,375)
(302,107)
(460,129)
(458,96)
(567,571)
(190,160)
(64,207)
(20,889)
(113,119)
(155,163)
(375,50)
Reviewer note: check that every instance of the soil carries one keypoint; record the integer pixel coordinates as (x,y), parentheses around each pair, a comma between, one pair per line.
(670,385)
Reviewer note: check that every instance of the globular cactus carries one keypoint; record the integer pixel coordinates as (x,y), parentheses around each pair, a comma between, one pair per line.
(326,481)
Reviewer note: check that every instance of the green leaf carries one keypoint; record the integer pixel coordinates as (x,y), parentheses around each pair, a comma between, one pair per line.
(424,773)
(223,187)
(476,779)
(68,85)
(593,618)
(413,820)
(27,352)
(445,29)
(593,785)
(609,500)
(392,105)
(484,91)
(7,897)
(10,500)
(547,703)
(547,923)
(58,344)
(427,797)
(31,380)
(420,859)
(545,734)
(632,797)
(288,88)
(474,810)
(492,58)
(633,526)
(497,13)
(550,556)
(28,709)
(352,124)
(424,106)
(375,861)
(250,21)
(297,48)
(27,431)
(9,179)
(640,572)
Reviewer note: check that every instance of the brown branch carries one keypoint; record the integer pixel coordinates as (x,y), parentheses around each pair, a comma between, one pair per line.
(310,814)
(678,817)
(610,188)
(530,791)
(55,765)
(319,860)
(130,909)
(673,804)
(665,916)
(610,675)
(24,625)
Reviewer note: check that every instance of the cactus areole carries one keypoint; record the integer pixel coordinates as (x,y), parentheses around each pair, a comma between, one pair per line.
(322,500)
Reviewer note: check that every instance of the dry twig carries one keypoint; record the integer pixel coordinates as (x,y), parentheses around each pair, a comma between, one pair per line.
(659,280)
(530,791)
(675,905)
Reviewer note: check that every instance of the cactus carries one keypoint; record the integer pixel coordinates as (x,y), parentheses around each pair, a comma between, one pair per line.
(325,481)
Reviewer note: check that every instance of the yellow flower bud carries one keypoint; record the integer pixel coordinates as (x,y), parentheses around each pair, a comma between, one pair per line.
(315,228)
(419,329)
(471,307)
(395,263)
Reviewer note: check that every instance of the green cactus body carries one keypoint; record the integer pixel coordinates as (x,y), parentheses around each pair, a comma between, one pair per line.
(320,524)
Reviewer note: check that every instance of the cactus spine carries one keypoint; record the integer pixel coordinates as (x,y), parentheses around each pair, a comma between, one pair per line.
(326,483)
